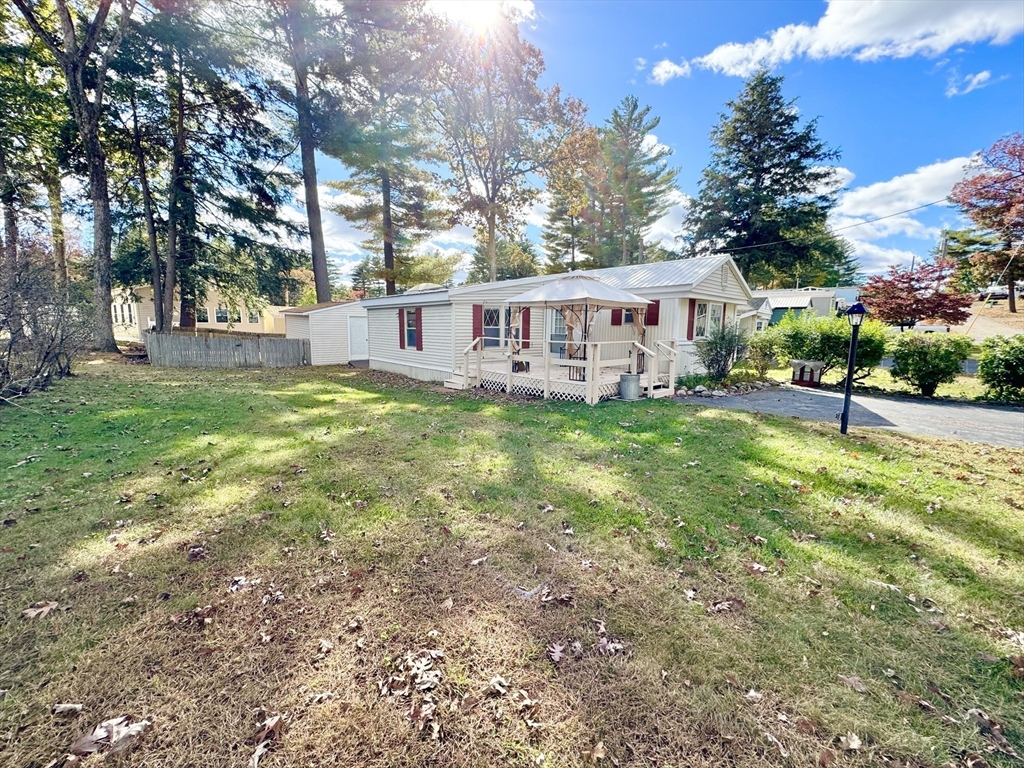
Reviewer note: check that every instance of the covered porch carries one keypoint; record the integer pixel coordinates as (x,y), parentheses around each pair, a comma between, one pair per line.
(578,366)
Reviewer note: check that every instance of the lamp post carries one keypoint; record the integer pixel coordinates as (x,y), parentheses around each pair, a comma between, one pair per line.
(855,316)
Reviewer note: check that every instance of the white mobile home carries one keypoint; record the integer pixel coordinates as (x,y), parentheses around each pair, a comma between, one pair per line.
(467,336)
(336,331)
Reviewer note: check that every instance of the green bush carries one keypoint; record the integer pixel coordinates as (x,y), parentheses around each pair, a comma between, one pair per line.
(813,337)
(762,350)
(926,360)
(720,348)
(1001,366)
(694,380)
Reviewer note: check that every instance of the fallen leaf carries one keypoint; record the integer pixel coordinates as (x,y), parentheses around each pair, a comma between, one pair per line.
(479,561)
(39,610)
(556,652)
(111,737)
(993,730)
(777,743)
(66,709)
(757,569)
(448,604)
(497,687)
(852,681)
(825,758)
(850,742)
(753,696)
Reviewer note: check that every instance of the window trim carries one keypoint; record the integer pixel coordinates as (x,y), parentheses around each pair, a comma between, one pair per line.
(698,332)
(411,336)
(219,312)
(202,314)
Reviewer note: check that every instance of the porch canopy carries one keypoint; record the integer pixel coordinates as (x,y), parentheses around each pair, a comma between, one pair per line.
(579,297)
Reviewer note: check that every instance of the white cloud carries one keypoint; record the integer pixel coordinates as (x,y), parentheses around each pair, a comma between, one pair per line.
(537,213)
(640,63)
(861,205)
(924,185)
(666,70)
(668,227)
(869,30)
(659,46)
(958,86)
(651,144)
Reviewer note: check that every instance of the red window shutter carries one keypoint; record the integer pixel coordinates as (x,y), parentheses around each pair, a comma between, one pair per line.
(401,329)
(419,328)
(524,333)
(616,317)
(653,311)
(478,321)
(691,319)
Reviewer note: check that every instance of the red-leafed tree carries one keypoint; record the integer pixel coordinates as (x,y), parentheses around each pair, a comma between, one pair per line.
(993,198)
(904,297)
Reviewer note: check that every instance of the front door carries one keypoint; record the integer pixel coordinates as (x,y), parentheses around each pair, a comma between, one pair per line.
(358,341)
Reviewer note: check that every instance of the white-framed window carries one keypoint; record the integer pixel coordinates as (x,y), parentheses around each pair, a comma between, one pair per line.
(221,314)
(558,331)
(715,316)
(202,315)
(131,314)
(253,317)
(410,329)
(760,325)
(700,321)
(492,327)
(627,317)
(115,313)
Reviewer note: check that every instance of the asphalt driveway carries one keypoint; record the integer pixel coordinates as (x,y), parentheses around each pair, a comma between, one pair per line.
(994,425)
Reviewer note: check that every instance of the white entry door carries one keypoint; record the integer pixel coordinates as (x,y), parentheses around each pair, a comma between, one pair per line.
(358,341)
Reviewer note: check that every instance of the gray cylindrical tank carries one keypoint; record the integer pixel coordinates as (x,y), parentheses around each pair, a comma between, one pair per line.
(629,386)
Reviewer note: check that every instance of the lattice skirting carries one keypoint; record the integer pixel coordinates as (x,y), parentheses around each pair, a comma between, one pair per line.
(529,386)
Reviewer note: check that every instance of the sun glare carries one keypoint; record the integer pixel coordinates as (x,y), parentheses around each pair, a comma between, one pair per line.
(478,15)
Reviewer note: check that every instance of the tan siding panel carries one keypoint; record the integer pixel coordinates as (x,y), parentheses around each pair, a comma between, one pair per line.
(432,363)
(296,327)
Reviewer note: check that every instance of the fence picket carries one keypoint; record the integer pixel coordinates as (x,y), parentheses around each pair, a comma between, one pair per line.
(184,351)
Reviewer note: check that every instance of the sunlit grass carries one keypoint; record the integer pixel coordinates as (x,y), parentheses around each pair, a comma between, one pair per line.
(664,503)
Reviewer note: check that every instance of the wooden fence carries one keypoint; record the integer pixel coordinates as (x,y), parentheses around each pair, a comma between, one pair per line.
(187,351)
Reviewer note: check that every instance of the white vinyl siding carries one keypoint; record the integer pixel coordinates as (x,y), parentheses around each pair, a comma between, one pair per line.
(296,327)
(433,363)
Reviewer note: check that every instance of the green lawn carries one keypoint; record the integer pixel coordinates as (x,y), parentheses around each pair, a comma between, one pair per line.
(765,586)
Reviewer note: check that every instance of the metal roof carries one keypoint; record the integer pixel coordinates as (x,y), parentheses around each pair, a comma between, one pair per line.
(309,308)
(578,288)
(658,274)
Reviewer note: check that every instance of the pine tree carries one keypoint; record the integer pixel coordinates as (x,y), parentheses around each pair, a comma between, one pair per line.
(564,237)
(634,183)
(766,195)
(514,259)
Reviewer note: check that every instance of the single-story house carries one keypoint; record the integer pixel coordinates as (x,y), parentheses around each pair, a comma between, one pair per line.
(336,331)
(756,315)
(820,301)
(133,312)
(435,333)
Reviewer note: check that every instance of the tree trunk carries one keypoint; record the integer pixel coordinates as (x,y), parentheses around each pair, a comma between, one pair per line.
(102,234)
(10,212)
(307,149)
(188,309)
(492,252)
(51,180)
(147,208)
(177,164)
(389,235)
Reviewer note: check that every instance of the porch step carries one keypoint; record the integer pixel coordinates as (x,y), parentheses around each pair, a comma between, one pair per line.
(457,381)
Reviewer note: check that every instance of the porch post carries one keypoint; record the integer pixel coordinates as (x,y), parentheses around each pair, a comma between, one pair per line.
(652,369)
(479,361)
(508,373)
(547,359)
(672,368)
(592,378)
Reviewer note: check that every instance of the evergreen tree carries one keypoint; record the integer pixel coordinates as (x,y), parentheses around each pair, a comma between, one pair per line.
(635,183)
(514,259)
(972,250)
(766,195)
(564,236)
(566,230)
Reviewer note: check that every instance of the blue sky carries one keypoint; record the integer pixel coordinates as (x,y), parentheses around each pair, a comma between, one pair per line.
(908,90)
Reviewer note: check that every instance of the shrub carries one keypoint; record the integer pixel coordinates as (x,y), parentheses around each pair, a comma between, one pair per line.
(1001,366)
(720,348)
(762,350)
(926,360)
(813,337)
(42,325)
(694,380)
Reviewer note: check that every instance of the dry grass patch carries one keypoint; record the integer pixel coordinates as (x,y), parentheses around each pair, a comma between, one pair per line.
(411,577)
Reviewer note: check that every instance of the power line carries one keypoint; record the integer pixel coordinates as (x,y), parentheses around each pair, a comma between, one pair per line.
(859,223)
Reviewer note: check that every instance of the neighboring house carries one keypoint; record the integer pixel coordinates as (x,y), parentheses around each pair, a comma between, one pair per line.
(427,333)
(847,296)
(756,315)
(336,331)
(133,312)
(820,301)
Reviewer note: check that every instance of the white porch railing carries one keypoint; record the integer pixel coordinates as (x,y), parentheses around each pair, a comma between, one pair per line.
(584,375)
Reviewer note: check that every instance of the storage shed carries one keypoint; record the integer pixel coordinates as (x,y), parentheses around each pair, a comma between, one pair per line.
(336,331)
